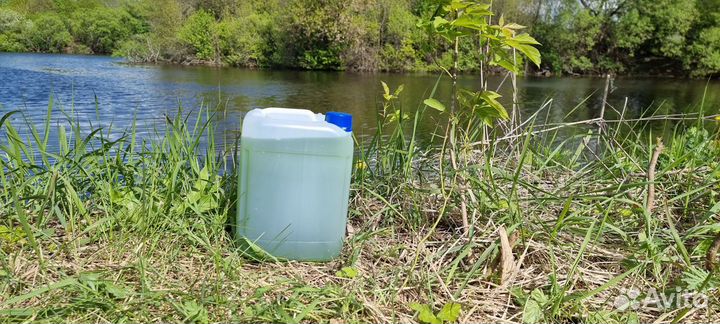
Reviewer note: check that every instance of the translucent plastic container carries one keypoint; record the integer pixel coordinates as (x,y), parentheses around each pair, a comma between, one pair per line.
(294,183)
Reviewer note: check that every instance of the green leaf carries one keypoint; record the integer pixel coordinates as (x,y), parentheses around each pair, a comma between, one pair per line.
(347,272)
(514,26)
(439,21)
(116,291)
(10,236)
(609,284)
(458,5)
(483,104)
(425,314)
(507,65)
(450,34)
(37,292)
(632,318)
(539,296)
(523,43)
(399,90)
(434,104)
(530,51)
(89,279)
(470,22)
(518,293)
(450,312)
(202,180)
(203,203)
(525,38)
(507,33)
(532,313)
(193,312)
(479,9)
(489,97)
(386,91)
(253,251)
(395,116)
(698,279)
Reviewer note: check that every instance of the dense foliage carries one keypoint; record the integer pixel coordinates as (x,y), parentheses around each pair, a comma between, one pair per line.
(677,37)
(655,36)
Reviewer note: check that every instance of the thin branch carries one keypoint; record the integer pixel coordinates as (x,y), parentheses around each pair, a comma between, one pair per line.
(587,6)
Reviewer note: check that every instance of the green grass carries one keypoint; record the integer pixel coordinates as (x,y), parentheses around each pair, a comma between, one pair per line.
(137,230)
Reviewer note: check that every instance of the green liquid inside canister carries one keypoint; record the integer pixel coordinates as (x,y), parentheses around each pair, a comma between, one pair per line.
(294,184)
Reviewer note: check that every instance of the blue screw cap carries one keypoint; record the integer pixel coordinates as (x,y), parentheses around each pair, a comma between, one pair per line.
(342,120)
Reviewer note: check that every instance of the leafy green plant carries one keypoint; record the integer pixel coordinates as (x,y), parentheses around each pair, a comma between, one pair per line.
(9,237)
(347,272)
(192,312)
(392,152)
(462,21)
(472,112)
(534,307)
(98,285)
(449,313)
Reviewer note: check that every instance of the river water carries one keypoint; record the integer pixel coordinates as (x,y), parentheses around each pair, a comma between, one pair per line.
(105,92)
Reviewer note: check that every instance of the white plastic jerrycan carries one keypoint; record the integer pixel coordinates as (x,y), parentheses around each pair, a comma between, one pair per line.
(294,182)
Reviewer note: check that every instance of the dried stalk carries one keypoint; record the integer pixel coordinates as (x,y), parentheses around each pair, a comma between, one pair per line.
(601,123)
(651,176)
(711,258)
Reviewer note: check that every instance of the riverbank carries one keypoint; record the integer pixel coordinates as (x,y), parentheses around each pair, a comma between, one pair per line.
(192,62)
(678,75)
(521,229)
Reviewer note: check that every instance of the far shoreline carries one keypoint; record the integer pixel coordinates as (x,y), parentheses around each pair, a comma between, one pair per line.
(207,64)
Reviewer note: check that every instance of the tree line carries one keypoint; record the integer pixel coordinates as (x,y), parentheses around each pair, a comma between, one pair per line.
(661,37)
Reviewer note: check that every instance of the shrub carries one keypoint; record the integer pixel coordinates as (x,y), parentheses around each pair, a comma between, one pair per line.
(403,58)
(313,34)
(321,59)
(239,40)
(11,25)
(198,33)
(139,48)
(77,48)
(570,39)
(8,43)
(10,21)
(103,29)
(705,51)
(47,33)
